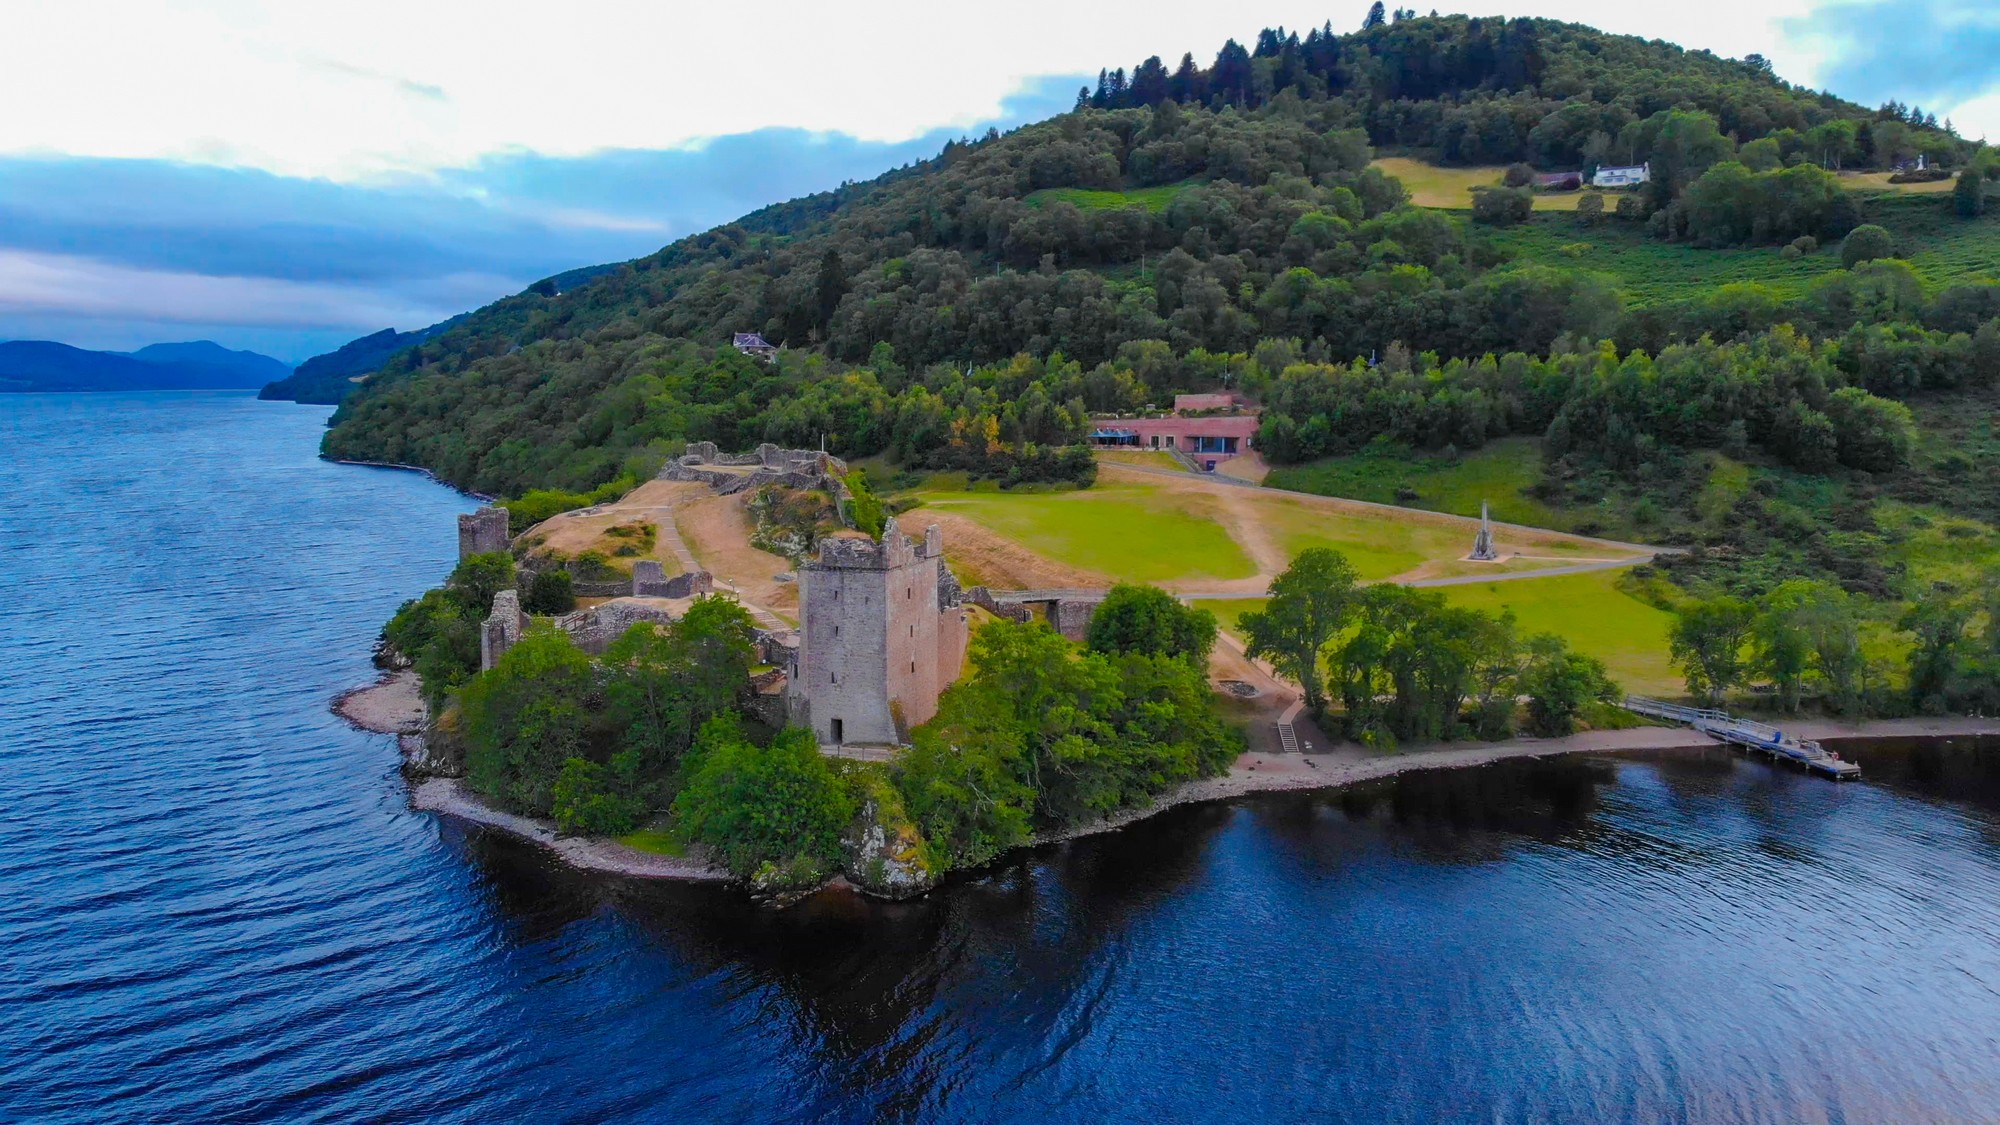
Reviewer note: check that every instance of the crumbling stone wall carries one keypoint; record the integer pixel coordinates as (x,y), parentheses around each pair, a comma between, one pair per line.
(649,580)
(792,468)
(482,532)
(502,628)
(594,629)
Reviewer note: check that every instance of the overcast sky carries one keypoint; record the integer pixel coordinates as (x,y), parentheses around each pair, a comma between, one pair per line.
(289,175)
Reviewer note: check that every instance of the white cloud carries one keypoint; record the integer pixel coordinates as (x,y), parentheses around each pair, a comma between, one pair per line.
(362,88)
(32,283)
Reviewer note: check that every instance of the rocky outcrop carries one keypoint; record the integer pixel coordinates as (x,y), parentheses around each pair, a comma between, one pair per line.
(885,853)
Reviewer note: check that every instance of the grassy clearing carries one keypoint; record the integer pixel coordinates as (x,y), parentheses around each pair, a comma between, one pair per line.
(1938,547)
(1379,545)
(1228,611)
(1942,248)
(1500,473)
(1154,199)
(658,841)
(1590,611)
(1144,458)
(1125,530)
(1879,181)
(1593,614)
(1450,189)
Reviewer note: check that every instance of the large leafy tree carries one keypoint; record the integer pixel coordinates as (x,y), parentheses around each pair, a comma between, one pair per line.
(1559,683)
(773,812)
(1310,603)
(525,717)
(1707,643)
(1147,619)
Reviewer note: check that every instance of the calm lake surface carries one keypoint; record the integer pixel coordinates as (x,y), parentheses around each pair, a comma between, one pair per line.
(216,905)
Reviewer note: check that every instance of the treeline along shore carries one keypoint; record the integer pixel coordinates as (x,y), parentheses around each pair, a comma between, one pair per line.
(394,706)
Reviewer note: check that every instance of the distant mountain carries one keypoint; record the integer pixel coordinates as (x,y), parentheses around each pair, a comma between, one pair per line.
(255,368)
(44,365)
(326,379)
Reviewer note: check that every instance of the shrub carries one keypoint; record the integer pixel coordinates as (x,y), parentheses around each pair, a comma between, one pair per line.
(775,812)
(551,592)
(1518,176)
(1501,207)
(527,716)
(1590,208)
(1866,243)
(1149,620)
(1968,196)
(539,504)
(1806,244)
(864,507)
(595,800)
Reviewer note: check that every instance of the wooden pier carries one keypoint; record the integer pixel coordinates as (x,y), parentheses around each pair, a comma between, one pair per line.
(1760,738)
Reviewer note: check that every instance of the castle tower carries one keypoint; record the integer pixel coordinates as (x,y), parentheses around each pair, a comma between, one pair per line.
(483,532)
(882,635)
(1482,542)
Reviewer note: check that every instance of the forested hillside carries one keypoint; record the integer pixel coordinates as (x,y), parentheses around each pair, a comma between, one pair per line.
(969,311)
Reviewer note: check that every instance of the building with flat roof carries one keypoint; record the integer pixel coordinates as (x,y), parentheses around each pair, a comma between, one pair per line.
(1208,428)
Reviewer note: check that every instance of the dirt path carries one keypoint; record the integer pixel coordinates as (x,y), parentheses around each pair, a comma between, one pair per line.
(1521,534)
(716,530)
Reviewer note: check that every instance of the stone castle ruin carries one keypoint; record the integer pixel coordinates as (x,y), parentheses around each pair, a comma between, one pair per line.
(483,532)
(884,623)
(729,473)
(884,634)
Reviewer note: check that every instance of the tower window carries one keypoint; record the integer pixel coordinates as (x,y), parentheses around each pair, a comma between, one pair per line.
(913,667)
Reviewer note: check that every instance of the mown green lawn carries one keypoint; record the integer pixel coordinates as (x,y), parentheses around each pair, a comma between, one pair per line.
(1587,610)
(1228,610)
(1378,545)
(1593,615)
(1123,530)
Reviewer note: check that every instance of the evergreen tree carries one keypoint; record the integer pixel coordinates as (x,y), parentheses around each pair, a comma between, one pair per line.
(1377,16)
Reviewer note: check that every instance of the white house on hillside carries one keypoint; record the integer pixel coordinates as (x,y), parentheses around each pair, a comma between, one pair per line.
(1627,176)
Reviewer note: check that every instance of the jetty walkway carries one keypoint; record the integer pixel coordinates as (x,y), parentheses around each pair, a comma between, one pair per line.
(1749,734)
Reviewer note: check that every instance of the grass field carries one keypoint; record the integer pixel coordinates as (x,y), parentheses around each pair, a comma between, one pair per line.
(1500,473)
(1120,529)
(658,841)
(1144,458)
(1594,616)
(1153,199)
(1451,188)
(1132,528)
(1587,610)
(1378,546)
(1942,249)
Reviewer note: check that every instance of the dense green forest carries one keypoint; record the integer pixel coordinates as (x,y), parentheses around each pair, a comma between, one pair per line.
(1747,356)
(1231,205)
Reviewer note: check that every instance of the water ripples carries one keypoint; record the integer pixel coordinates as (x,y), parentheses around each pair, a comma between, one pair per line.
(219,906)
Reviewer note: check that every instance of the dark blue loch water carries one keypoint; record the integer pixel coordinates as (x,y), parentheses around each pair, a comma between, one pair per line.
(215,904)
